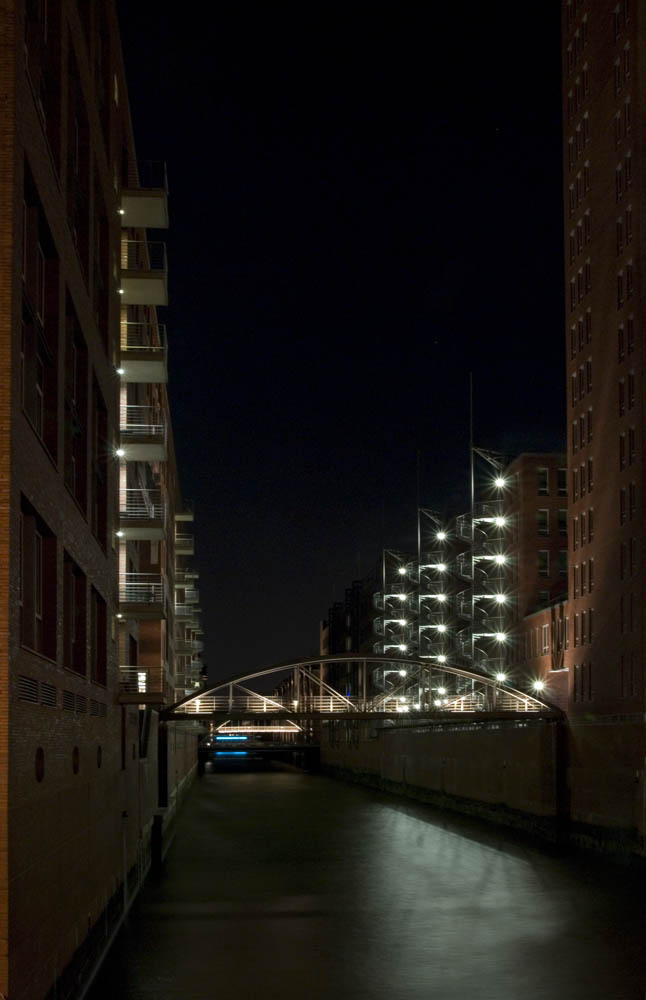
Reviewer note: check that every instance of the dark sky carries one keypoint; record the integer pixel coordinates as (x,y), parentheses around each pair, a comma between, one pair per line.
(365,205)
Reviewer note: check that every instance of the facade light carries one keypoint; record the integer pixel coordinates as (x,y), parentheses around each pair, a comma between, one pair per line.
(402,648)
(441,690)
(121,371)
(119,452)
(500,636)
(402,621)
(441,658)
(441,628)
(500,598)
(119,534)
(441,598)
(500,559)
(402,597)
(441,567)
(500,521)
(120,291)
(122,211)
(499,482)
(118,615)
(501,678)
(437,703)
(538,685)
(402,571)
(402,673)
(441,535)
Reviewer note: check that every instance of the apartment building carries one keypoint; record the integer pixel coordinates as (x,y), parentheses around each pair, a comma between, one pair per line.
(603,120)
(97,593)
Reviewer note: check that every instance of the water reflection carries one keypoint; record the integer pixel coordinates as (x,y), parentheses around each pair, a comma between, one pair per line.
(292,886)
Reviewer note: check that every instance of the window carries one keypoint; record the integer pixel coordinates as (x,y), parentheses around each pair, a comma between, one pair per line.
(591,575)
(628,169)
(623,558)
(620,289)
(622,398)
(575,533)
(74,616)
(542,481)
(588,326)
(573,341)
(576,630)
(589,424)
(98,637)
(619,183)
(621,344)
(545,639)
(582,479)
(622,505)
(562,562)
(583,526)
(632,499)
(562,520)
(629,280)
(622,451)
(590,523)
(584,579)
(632,450)
(575,581)
(543,521)
(575,484)
(630,334)
(634,556)
(631,390)
(628,215)
(543,562)
(562,482)
(37,592)
(584,629)
(575,436)
(620,235)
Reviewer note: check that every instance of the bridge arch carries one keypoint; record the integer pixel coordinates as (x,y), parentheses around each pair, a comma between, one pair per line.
(418,687)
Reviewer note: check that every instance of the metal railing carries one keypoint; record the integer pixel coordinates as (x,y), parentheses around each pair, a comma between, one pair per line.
(142,421)
(186,611)
(184,542)
(143,255)
(141,680)
(477,701)
(144,337)
(139,504)
(141,588)
(152,174)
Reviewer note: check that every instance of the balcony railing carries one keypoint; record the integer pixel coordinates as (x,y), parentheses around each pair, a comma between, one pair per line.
(143,684)
(187,612)
(144,273)
(142,594)
(139,504)
(184,545)
(143,433)
(144,352)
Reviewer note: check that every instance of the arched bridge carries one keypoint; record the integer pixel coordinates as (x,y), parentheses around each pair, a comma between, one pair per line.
(312,687)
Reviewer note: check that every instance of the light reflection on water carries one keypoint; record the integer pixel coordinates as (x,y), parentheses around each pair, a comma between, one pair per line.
(292,886)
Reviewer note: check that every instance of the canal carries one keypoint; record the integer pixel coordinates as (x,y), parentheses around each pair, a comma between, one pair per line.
(287,885)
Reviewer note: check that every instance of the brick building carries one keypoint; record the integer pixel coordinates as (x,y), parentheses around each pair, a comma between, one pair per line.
(99,625)
(604,45)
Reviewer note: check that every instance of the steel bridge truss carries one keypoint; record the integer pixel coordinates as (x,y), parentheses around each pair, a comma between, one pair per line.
(388,685)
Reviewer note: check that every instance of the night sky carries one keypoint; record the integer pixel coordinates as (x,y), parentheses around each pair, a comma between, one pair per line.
(365,205)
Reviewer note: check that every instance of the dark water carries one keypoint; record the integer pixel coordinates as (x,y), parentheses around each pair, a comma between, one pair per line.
(282,885)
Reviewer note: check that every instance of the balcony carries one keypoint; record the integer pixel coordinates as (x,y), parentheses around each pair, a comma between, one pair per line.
(143,434)
(184,545)
(142,514)
(146,206)
(191,596)
(141,685)
(144,353)
(188,647)
(186,513)
(186,613)
(142,596)
(144,273)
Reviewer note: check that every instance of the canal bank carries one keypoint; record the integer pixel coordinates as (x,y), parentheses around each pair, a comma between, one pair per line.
(287,885)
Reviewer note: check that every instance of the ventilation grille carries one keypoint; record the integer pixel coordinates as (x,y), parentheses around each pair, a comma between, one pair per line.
(28,689)
(102,710)
(94,707)
(68,701)
(47,694)
(81,704)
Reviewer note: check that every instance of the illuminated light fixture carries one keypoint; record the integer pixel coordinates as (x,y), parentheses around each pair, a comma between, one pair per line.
(538,685)
(402,673)
(119,452)
(442,567)
(445,701)
(501,678)
(402,698)
(441,598)
(441,535)
(500,598)
(441,690)
(500,636)
(119,534)
(402,597)
(402,648)
(402,621)
(122,211)
(121,371)
(441,628)
(295,701)
(402,571)
(441,658)
(499,482)
(500,559)
(118,615)
(120,290)
(500,521)
(437,703)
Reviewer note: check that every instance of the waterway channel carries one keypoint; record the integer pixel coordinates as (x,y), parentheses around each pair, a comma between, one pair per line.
(287,885)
